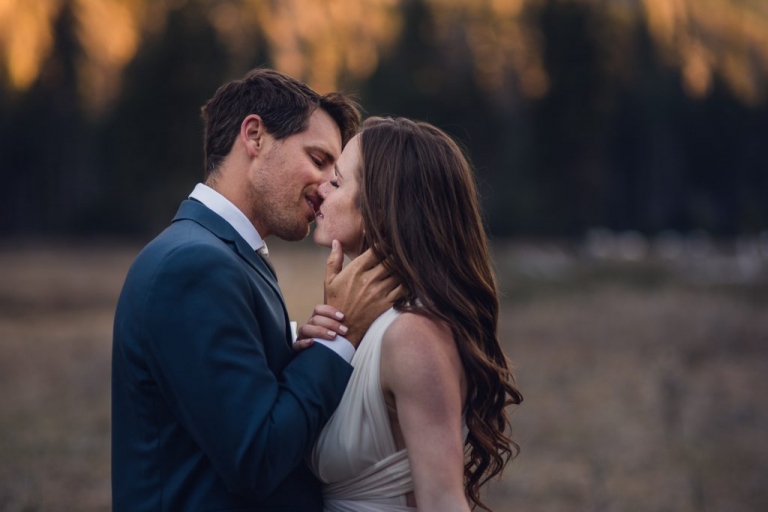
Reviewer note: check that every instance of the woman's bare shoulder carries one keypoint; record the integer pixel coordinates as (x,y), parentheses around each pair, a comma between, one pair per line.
(416,348)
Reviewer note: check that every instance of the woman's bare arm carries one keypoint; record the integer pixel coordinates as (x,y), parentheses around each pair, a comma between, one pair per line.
(422,371)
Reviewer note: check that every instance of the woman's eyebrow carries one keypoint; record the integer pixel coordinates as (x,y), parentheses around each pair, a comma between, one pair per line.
(337,171)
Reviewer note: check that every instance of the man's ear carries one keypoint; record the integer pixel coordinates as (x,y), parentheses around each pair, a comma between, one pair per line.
(253,134)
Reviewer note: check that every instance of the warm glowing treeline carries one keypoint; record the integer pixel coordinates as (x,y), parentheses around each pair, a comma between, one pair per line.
(703,38)
(327,41)
(707,37)
(25,37)
(316,40)
(109,32)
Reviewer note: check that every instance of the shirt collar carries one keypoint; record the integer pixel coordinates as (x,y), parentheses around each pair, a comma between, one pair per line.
(230,213)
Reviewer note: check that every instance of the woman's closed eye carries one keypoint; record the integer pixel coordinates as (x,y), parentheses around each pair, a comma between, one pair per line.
(335,182)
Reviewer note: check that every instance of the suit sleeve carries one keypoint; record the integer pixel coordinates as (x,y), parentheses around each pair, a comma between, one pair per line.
(206,352)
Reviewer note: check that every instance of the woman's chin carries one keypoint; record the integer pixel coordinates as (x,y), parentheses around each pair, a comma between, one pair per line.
(320,240)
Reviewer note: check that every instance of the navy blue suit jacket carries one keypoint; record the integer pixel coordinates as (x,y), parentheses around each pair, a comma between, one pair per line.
(211,410)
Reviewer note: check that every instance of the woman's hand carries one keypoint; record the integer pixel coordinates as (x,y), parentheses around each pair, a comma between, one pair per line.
(325,323)
(300,345)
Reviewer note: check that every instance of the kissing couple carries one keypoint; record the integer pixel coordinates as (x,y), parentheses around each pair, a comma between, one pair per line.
(393,397)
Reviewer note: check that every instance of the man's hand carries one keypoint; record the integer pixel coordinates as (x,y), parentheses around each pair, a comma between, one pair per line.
(362,291)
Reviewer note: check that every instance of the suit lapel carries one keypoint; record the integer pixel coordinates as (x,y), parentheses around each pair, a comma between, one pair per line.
(201,214)
(248,254)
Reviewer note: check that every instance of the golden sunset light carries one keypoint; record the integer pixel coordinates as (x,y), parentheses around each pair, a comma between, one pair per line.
(325,42)
(612,153)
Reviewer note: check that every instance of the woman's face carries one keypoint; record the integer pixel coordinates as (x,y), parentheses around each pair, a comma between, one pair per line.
(338,217)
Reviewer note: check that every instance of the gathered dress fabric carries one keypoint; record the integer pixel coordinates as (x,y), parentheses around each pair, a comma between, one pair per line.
(355,456)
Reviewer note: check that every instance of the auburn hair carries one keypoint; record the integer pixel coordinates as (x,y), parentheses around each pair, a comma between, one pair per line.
(421,216)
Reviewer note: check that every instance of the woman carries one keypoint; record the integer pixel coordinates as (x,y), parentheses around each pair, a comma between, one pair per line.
(422,423)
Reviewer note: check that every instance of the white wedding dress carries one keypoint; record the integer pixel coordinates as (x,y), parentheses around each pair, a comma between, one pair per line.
(355,456)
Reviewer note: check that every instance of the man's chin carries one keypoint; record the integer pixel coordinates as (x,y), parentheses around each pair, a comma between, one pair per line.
(295,234)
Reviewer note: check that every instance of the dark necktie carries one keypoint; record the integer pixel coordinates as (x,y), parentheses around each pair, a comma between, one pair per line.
(265,259)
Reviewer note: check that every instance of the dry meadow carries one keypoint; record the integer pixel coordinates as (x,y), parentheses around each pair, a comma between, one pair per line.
(645,384)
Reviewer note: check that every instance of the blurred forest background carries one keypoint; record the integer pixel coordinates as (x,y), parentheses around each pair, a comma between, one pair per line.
(629,114)
(621,148)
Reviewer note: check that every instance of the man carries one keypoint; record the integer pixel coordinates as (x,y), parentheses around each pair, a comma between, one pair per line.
(211,408)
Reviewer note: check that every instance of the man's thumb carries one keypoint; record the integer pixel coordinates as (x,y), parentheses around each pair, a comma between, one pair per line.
(335,260)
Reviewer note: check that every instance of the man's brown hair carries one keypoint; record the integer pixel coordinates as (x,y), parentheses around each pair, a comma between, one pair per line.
(283,103)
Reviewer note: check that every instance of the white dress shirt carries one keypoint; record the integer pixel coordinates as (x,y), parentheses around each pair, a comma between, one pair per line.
(237,219)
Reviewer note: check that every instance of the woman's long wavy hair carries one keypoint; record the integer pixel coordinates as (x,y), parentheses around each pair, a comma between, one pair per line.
(421,215)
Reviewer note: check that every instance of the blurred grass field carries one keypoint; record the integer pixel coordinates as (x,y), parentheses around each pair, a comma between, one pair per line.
(645,390)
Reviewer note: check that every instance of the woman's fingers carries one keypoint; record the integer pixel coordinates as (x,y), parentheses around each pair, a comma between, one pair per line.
(321,327)
(313,331)
(302,344)
(328,311)
(325,323)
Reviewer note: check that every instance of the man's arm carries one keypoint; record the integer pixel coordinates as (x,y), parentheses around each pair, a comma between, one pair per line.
(207,354)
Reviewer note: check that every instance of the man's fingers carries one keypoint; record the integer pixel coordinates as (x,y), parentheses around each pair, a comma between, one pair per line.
(391,282)
(335,261)
(366,261)
(378,272)
(385,286)
(395,293)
